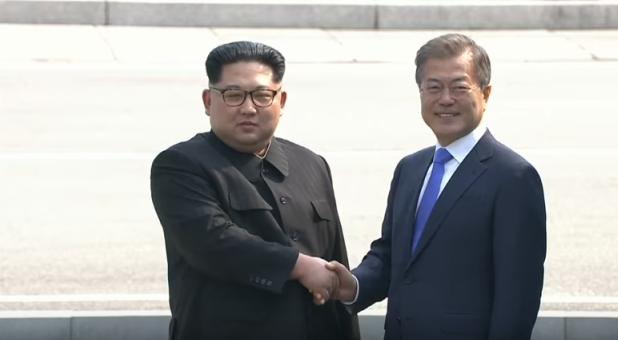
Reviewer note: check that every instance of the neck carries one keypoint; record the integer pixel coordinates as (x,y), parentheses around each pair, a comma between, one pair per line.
(262,153)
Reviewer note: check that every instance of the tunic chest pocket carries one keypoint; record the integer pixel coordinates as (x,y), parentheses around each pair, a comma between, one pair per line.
(253,214)
(244,202)
(322,211)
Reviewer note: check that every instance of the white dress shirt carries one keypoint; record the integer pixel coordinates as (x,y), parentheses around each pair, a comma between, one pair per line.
(459,149)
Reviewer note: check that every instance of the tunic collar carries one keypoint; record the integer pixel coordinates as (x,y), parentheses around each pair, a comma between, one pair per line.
(250,165)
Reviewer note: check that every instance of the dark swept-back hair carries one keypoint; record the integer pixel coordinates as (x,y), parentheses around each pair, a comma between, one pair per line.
(247,51)
(454,45)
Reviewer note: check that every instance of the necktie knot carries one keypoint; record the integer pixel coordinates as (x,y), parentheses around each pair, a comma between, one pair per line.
(442,156)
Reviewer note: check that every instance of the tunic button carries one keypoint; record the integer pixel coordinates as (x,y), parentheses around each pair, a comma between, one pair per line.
(294,236)
(283,200)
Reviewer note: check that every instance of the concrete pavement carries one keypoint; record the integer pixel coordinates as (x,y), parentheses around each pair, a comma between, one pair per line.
(83,109)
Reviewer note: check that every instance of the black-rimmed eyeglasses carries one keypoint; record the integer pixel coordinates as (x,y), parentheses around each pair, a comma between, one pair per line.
(236,97)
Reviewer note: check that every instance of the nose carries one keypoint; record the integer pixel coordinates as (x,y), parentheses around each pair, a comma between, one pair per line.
(248,107)
(445,97)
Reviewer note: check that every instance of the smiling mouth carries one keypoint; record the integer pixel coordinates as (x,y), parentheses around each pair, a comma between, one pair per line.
(446,114)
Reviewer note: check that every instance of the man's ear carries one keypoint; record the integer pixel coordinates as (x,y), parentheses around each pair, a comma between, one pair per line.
(206,99)
(486,92)
(284,97)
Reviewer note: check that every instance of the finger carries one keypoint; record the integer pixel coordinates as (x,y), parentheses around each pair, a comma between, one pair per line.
(335,266)
(325,297)
(318,299)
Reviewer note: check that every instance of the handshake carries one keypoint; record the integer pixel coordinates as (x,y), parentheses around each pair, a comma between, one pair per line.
(325,280)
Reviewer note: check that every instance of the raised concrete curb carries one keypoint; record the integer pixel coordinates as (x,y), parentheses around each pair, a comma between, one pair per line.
(153,326)
(539,14)
(502,15)
(53,12)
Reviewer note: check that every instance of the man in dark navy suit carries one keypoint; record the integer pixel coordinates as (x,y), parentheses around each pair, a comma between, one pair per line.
(463,239)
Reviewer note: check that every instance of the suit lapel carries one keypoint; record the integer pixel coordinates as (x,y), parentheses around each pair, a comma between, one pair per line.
(409,200)
(467,172)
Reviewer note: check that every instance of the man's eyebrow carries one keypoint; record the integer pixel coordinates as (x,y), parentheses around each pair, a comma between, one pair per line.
(237,87)
(462,78)
(231,87)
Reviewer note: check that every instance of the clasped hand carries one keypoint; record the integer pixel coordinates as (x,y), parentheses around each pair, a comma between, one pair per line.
(324,280)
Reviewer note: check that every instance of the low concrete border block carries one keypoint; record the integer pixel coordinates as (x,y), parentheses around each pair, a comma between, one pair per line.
(53,12)
(538,14)
(153,326)
(575,15)
(237,15)
(35,328)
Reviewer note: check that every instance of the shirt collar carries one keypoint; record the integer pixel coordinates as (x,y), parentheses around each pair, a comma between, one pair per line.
(460,148)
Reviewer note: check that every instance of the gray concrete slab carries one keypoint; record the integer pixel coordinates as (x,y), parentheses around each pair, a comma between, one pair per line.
(591,328)
(119,327)
(296,15)
(82,12)
(549,328)
(28,328)
(499,15)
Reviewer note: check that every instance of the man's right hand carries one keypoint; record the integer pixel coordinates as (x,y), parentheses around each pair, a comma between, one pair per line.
(347,283)
(312,273)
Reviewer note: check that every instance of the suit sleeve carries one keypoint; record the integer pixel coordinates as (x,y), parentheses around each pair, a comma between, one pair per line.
(519,245)
(374,272)
(204,236)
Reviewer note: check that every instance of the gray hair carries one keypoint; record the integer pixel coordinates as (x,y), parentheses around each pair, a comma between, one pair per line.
(454,45)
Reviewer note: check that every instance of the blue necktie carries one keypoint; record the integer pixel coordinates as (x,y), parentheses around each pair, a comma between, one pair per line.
(430,196)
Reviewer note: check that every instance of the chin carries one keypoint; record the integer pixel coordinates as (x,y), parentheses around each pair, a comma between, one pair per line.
(447,138)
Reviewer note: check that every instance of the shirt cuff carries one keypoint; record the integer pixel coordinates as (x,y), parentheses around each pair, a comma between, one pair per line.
(349,303)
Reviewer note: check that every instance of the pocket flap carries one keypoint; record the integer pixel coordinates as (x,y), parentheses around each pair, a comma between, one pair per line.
(322,209)
(241,202)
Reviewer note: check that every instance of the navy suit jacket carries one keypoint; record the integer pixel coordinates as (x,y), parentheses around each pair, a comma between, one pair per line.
(478,270)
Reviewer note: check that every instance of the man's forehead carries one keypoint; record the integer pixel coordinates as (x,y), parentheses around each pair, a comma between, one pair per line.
(246,65)
(459,68)
(248,75)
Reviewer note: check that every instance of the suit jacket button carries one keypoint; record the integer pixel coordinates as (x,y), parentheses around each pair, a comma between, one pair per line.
(283,200)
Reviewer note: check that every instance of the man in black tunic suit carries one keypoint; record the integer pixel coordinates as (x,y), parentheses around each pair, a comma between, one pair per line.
(249,219)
